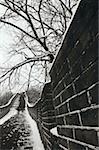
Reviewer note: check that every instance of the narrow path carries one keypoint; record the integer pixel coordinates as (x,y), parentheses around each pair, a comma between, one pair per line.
(20,132)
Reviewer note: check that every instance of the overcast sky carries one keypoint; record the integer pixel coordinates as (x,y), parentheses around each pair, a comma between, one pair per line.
(6,39)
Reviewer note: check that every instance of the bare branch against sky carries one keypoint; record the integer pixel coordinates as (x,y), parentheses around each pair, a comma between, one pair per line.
(37,28)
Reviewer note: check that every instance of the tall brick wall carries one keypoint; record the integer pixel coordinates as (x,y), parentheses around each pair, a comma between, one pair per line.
(74,77)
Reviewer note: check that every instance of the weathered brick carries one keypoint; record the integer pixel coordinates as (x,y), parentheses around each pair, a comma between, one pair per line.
(75,53)
(60,120)
(48,96)
(90,117)
(79,102)
(90,55)
(72,119)
(75,146)
(55,145)
(76,70)
(48,126)
(88,78)
(46,102)
(68,132)
(63,109)
(57,101)
(57,111)
(94,94)
(67,79)
(81,53)
(63,142)
(48,120)
(47,106)
(48,113)
(87,136)
(59,89)
(63,70)
(67,93)
(46,90)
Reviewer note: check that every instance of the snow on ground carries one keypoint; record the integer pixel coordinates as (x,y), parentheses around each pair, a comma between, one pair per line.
(10,114)
(35,136)
(38,145)
(54,131)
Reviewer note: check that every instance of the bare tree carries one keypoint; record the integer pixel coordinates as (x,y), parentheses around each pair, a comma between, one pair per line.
(39,26)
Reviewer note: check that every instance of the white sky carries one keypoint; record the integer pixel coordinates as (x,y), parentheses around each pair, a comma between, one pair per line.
(6,39)
(4,42)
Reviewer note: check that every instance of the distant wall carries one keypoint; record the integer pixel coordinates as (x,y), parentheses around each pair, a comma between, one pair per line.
(6,108)
(75,81)
(44,114)
(70,101)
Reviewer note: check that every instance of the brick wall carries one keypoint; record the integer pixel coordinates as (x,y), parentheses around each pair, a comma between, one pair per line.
(44,114)
(74,77)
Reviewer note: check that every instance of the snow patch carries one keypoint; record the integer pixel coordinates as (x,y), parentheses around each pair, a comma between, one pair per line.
(38,145)
(10,114)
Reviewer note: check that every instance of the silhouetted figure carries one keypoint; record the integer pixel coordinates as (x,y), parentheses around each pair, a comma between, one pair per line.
(21,106)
